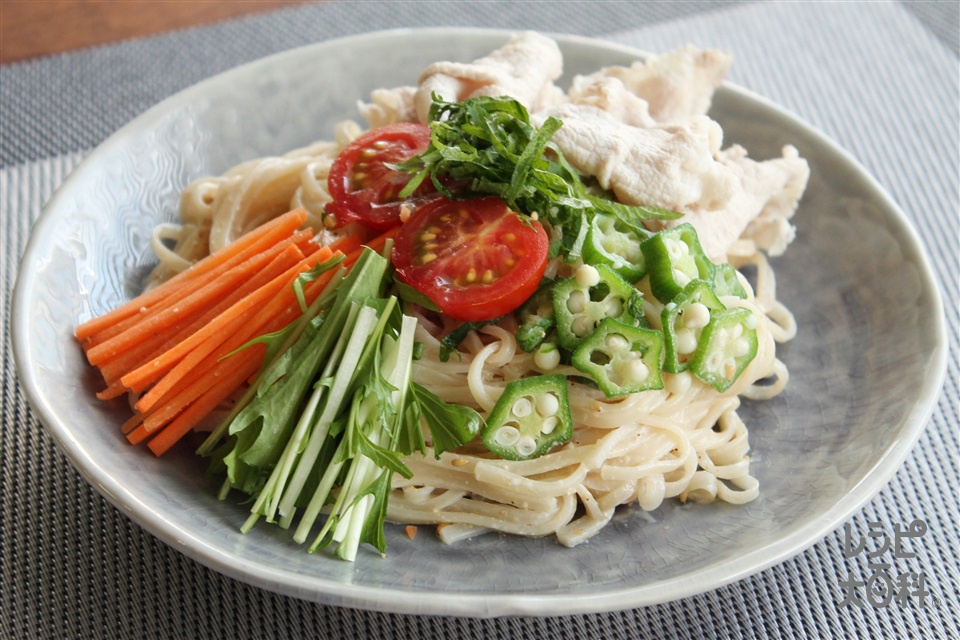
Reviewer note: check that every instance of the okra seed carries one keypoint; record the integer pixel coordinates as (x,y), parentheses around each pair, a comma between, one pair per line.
(751,322)
(613,307)
(677,382)
(676,249)
(697,315)
(686,341)
(546,360)
(615,343)
(526,445)
(729,368)
(549,425)
(587,276)
(507,435)
(548,405)
(581,326)
(714,360)
(633,370)
(522,407)
(577,302)
(741,347)
(681,278)
(736,331)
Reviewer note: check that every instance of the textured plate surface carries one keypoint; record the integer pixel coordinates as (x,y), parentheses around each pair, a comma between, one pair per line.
(866,366)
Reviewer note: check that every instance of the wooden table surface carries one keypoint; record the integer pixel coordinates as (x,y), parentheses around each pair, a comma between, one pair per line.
(33,28)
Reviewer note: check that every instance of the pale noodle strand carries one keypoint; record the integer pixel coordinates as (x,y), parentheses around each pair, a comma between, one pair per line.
(453,533)
(686,440)
(168,256)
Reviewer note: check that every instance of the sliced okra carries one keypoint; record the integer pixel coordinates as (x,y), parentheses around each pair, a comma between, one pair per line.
(536,318)
(612,242)
(674,257)
(621,359)
(726,283)
(727,345)
(683,321)
(531,417)
(582,302)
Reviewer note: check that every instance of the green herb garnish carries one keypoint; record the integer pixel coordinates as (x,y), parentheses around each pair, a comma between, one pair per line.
(487,146)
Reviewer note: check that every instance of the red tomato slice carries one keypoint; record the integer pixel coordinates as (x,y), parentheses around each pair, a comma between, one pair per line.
(363,189)
(476,259)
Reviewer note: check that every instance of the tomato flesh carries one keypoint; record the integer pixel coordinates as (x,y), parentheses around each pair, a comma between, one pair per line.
(363,188)
(475,259)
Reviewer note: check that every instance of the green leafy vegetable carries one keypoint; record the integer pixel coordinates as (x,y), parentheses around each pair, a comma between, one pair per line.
(450,342)
(333,415)
(487,146)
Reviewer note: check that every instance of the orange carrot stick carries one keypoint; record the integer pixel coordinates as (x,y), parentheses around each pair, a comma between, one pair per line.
(191,300)
(185,355)
(189,288)
(187,393)
(203,298)
(180,404)
(273,316)
(247,245)
(131,423)
(202,407)
(149,349)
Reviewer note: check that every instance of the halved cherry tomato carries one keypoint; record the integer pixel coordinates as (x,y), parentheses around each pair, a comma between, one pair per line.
(363,189)
(475,259)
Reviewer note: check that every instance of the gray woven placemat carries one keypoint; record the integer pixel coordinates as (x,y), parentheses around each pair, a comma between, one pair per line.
(880,78)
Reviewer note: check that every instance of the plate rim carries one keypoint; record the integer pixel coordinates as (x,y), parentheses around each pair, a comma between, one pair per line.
(424,601)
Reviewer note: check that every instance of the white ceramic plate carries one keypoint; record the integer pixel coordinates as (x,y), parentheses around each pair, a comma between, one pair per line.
(865,369)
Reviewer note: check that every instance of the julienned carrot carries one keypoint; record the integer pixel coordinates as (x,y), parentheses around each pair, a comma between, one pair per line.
(379,242)
(216,372)
(189,388)
(188,337)
(126,362)
(171,300)
(281,310)
(138,356)
(313,289)
(346,244)
(131,423)
(195,299)
(247,245)
(246,365)
(183,383)
(187,420)
(181,358)
(155,420)
(204,297)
